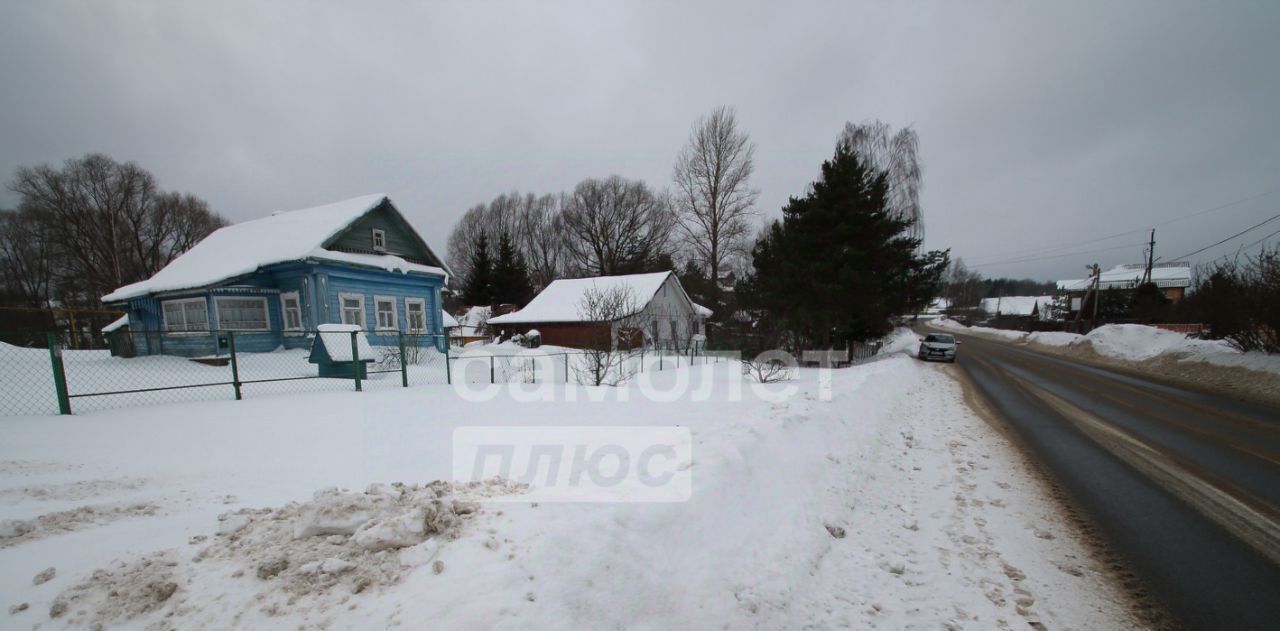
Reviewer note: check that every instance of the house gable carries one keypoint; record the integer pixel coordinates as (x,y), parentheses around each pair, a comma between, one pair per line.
(400,239)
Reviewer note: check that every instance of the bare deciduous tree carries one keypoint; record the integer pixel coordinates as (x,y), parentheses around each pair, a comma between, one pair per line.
(611,314)
(532,221)
(615,226)
(541,237)
(960,286)
(26,265)
(713,197)
(897,155)
(109,223)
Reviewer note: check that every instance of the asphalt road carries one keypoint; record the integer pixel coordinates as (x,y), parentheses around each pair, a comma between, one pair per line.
(1185,486)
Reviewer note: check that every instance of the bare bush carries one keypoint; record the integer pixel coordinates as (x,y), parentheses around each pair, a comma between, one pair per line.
(769,366)
(609,314)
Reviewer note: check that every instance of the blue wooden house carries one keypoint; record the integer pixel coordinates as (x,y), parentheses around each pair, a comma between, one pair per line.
(273,281)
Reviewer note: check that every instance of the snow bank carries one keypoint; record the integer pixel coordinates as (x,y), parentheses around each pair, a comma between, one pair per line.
(901,340)
(952,325)
(1137,342)
(339,543)
(1053,338)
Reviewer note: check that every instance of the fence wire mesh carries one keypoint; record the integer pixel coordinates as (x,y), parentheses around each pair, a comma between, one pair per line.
(45,375)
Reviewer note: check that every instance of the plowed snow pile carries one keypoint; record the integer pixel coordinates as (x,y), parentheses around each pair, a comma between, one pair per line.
(314,553)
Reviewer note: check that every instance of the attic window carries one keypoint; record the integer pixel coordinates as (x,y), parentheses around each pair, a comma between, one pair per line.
(379,240)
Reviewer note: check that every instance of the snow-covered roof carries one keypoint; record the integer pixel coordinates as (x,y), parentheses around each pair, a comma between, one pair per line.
(471,321)
(1130,275)
(336,339)
(1016,305)
(448,320)
(243,248)
(702,311)
(562,299)
(116,324)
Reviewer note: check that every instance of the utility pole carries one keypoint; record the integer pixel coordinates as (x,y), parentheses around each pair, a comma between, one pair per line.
(1097,297)
(1151,257)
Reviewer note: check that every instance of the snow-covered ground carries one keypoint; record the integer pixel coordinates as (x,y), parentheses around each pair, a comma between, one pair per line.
(887,504)
(1133,342)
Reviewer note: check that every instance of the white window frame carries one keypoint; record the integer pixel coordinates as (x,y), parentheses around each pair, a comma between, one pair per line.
(408,322)
(164,317)
(395,313)
(266,310)
(284,312)
(342,309)
(379,235)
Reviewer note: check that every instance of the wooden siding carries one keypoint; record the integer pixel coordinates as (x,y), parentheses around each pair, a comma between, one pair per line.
(318,286)
(369,283)
(570,335)
(401,241)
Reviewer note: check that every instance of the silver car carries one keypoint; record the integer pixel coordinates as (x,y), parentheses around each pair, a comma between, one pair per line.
(938,346)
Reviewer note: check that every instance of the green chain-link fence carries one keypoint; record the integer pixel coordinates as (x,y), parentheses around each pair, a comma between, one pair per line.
(43,375)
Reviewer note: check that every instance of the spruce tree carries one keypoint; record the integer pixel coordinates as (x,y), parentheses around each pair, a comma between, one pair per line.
(478,289)
(510,276)
(840,264)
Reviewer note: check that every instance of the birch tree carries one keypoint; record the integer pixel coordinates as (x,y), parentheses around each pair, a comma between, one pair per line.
(896,154)
(713,198)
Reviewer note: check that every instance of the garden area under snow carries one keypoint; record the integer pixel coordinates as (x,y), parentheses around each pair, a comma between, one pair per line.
(887,503)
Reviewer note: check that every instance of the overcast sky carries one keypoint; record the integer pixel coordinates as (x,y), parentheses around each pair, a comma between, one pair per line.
(1041,127)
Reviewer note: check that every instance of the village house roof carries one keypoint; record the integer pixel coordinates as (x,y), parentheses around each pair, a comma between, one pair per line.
(1016,305)
(1129,276)
(296,235)
(447,320)
(562,299)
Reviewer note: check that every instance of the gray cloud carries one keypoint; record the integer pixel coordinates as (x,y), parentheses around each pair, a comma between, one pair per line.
(1041,126)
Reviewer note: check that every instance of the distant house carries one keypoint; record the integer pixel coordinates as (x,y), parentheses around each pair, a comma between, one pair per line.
(273,281)
(664,316)
(1173,279)
(1025,307)
(471,326)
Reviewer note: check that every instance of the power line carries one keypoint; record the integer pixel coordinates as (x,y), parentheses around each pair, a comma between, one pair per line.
(1262,239)
(1058,256)
(1242,232)
(1137,230)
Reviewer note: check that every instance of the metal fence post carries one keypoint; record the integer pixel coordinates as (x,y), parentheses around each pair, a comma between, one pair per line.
(404,367)
(448,370)
(235,367)
(491,380)
(355,360)
(59,374)
(641,359)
